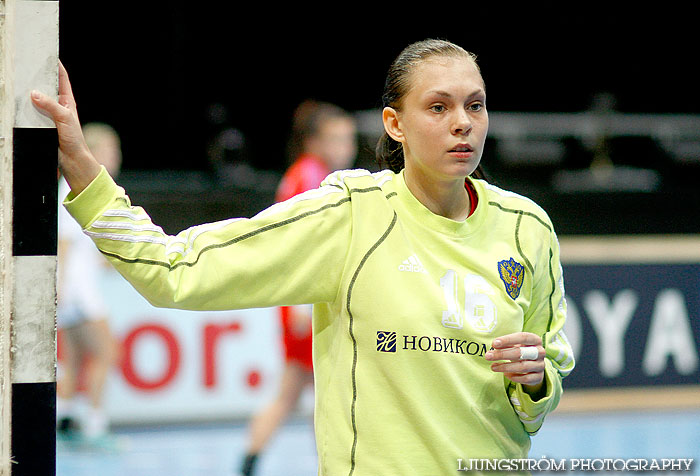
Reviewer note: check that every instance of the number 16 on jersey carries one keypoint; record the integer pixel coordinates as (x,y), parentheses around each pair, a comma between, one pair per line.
(479,309)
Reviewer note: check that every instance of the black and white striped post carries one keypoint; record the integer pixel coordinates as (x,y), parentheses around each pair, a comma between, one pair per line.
(34,242)
(7,105)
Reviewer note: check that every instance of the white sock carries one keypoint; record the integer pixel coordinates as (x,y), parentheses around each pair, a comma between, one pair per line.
(95,423)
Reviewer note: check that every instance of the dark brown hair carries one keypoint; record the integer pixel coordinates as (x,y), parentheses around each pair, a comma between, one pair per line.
(389,153)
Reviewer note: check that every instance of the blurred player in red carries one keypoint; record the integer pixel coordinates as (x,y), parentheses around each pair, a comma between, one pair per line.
(323,139)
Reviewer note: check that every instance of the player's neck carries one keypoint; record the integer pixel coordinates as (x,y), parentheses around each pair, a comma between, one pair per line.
(445,198)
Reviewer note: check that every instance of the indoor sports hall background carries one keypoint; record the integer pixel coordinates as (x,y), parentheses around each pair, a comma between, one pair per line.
(595,119)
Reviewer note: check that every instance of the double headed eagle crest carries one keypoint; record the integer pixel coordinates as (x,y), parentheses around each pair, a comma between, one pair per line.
(512,273)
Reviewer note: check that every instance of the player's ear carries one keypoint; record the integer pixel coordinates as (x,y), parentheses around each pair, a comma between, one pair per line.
(392,125)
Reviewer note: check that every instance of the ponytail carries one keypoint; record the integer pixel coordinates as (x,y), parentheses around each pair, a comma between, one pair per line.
(389,154)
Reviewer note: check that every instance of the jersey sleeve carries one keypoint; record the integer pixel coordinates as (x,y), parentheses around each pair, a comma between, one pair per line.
(546,318)
(290,253)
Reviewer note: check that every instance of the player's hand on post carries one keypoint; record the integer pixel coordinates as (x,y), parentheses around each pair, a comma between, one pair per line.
(523,354)
(75,159)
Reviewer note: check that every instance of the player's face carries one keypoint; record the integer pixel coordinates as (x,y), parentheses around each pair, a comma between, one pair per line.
(336,142)
(443,119)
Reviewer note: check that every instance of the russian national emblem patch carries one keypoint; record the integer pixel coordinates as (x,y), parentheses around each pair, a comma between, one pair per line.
(512,274)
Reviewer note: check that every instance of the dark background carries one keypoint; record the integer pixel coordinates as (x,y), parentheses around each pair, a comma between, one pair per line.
(153,69)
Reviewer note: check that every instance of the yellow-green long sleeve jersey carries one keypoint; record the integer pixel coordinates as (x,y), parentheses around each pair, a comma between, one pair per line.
(406,304)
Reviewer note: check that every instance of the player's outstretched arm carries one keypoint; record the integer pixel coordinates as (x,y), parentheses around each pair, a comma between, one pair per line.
(75,159)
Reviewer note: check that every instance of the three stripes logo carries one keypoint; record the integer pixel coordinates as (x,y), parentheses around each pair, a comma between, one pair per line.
(386,341)
(412,264)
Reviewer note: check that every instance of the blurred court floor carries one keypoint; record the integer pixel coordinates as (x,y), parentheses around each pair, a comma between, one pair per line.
(216,449)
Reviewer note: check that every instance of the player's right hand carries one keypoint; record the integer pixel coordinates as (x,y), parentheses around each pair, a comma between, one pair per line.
(75,159)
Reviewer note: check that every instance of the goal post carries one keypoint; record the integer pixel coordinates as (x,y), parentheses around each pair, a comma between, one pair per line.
(7,104)
(28,216)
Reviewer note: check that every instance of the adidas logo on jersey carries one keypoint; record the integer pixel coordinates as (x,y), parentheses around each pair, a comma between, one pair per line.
(412,265)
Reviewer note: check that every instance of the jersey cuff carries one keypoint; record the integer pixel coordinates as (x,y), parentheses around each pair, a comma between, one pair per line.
(87,206)
(548,402)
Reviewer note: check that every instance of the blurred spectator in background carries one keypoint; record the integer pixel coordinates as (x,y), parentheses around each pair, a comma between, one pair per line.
(87,347)
(323,139)
(229,154)
(226,144)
